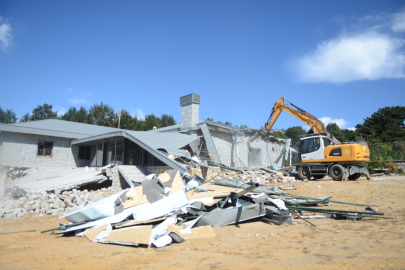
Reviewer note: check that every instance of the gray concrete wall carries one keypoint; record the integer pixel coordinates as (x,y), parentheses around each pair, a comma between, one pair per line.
(19,149)
(226,148)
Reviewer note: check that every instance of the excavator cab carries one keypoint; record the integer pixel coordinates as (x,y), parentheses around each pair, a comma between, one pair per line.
(312,146)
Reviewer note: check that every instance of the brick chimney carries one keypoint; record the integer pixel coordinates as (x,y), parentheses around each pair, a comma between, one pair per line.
(190,106)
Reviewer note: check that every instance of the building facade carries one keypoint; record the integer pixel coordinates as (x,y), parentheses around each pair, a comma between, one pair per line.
(61,143)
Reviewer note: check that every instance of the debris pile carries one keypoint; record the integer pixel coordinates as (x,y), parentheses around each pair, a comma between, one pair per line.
(262,176)
(172,208)
(25,204)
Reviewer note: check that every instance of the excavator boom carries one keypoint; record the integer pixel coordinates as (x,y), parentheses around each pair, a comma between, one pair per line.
(313,122)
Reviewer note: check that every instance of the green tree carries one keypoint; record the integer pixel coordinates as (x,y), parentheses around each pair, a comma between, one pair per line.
(228,123)
(167,120)
(243,126)
(279,134)
(151,121)
(337,132)
(139,124)
(7,116)
(74,115)
(103,115)
(209,119)
(294,133)
(127,121)
(24,118)
(43,112)
(387,124)
(349,135)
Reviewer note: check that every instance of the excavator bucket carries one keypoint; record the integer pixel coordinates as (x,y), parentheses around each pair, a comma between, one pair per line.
(354,172)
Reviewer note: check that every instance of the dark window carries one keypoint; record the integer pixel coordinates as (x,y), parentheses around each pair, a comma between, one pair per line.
(45,149)
(306,146)
(84,152)
(317,143)
(326,141)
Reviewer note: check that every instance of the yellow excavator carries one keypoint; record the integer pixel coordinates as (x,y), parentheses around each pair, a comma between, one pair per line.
(319,152)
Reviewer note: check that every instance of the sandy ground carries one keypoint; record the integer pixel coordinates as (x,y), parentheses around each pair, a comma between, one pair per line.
(370,243)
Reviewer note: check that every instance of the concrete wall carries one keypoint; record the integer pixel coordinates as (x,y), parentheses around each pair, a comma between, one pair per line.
(226,145)
(17,149)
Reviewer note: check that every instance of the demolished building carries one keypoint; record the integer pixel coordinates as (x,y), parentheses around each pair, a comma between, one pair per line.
(58,143)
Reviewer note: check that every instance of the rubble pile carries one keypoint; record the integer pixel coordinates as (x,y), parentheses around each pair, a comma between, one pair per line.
(261,176)
(172,208)
(25,204)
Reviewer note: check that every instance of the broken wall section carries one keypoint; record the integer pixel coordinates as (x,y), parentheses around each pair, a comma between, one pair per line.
(234,151)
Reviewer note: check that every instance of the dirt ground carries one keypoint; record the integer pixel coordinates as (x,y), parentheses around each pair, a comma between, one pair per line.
(370,243)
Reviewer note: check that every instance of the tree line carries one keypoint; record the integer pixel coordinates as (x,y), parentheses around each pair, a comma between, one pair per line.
(385,125)
(98,114)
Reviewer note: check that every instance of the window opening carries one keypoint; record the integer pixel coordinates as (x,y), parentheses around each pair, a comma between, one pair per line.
(306,146)
(326,141)
(45,149)
(84,152)
(317,144)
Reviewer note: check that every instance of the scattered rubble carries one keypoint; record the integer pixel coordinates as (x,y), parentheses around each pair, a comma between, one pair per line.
(262,176)
(50,204)
(171,208)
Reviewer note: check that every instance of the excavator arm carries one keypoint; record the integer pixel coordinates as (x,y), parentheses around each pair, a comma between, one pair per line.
(313,122)
(282,105)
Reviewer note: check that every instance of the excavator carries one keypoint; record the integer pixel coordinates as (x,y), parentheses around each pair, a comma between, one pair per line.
(319,152)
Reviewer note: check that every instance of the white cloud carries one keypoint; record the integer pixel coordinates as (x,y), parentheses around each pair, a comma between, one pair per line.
(351,128)
(78,101)
(372,54)
(340,122)
(5,34)
(398,22)
(79,97)
(139,114)
(61,111)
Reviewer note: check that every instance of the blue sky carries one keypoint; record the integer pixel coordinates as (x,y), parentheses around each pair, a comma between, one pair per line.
(339,60)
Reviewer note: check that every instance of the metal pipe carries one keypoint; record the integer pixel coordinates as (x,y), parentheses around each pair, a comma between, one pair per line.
(311,209)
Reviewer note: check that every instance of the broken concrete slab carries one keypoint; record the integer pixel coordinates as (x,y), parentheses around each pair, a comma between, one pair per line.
(56,179)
